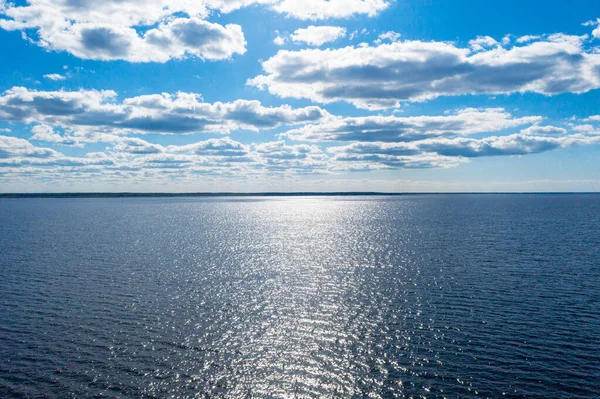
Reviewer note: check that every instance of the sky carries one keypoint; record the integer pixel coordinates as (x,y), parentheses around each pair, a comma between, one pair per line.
(299,95)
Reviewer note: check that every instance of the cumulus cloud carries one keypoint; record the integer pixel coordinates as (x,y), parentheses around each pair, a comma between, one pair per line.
(357,33)
(17,152)
(590,125)
(596,31)
(405,129)
(224,147)
(444,152)
(155,30)
(391,36)
(47,133)
(109,30)
(318,35)
(134,145)
(515,144)
(528,38)
(378,161)
(299,158)
(13,147)
(324,9)
(174,39)
(86,110)
(544,131)
(279,40)
(133,155)
(482,43)
(54,76)
(136,157)
(384,75)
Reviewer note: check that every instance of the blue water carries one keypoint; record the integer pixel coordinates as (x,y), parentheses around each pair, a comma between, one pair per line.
(435,296)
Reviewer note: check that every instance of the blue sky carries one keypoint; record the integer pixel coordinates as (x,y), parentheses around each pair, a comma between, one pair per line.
(289,95)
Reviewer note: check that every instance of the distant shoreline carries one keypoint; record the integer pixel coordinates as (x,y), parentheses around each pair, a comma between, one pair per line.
(265,194)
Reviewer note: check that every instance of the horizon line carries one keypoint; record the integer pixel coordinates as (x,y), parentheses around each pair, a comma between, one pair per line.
(127,194)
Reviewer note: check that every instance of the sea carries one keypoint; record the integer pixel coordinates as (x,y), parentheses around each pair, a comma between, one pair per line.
(412,296)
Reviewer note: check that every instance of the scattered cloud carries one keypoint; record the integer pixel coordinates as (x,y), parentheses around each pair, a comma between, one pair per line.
(445,152)
(54,76)
(47,133)
(385,75)
(135,155)
(596,31)
(155,30)
(544,131)
(528,38)
(13,147)
(279,156)
(279,40)
(318,35)
(381,74)
(86,110)
(388,36)
(406,129)
(358,33)
(325,9)
(109,30)
(483,43)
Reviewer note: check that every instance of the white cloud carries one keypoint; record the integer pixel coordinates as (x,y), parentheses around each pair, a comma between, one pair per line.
(528,38)
(537,130)
(46,133)
(177,39)
(54,76)
(279,40)
(344,161)
(390,36)
(132,157)
(155,30)
(586,129)
(318,35)
(12,147)
(357,33)
(91,110)
(138,157)
(134,145)
(447,152)
(482,43)
(106,30)
(213,147)
(516,144)
(324,9)
(383,76)
(406,129)
(596,31)
(279,156)
(590,126)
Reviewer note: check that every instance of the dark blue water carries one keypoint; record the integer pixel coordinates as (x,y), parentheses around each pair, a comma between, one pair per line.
(418,296)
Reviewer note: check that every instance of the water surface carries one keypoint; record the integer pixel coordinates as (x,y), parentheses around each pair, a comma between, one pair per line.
(337,297)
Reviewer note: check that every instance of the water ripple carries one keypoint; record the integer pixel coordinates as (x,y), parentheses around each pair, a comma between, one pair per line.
(416,296)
